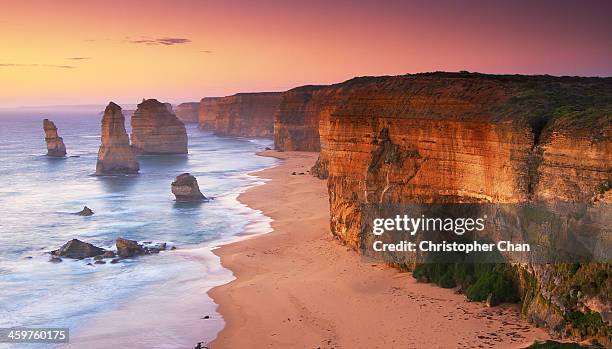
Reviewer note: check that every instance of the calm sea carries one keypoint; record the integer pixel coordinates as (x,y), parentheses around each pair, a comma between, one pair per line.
(154,301)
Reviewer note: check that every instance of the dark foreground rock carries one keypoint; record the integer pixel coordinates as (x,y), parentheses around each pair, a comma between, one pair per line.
(86,211)
(130,248)
(185,188)
(78,249)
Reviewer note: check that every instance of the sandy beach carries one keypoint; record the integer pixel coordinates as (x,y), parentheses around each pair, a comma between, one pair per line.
(297,287)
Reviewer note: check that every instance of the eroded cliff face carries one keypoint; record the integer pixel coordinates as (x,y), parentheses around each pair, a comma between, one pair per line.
(188,112)
(243,114)
(471,138)
(55,143)
(115,156)
(296,126)
(156,130)
(209,110)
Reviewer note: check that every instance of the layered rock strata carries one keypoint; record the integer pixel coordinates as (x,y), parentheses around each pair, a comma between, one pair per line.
(55,143)
(243,114)
(473,138)
(209,110)
(188,112)
(115,156)
(296,126)
(156,130)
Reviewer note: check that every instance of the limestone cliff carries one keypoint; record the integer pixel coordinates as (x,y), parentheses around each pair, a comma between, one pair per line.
(188,112)
(115,156)
(473,138)
(208,112)
(296,126)
(55,143)
(243,114)
(156,130)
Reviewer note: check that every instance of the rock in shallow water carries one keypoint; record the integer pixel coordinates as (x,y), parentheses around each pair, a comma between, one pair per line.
(86,211)
(78,249)
(55,143)
(185,188)
(128,248)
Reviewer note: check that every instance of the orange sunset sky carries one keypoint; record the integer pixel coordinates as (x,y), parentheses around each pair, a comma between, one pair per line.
(80,52)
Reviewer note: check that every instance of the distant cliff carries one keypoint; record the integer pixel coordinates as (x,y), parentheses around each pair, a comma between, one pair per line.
(156,130)
(243,114)
(188,112)
(209,110)
(469,138)
(296,126)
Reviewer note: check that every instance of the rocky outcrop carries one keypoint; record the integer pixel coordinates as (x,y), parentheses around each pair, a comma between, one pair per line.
(115,156)
(243,114)
(156,130)
(55,143)
(86,211)
(131,248)
(188,112)
(473,138)
(78,249)
(185,188)
(128,248)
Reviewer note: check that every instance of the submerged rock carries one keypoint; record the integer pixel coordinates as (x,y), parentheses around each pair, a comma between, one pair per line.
(86,211)
(55,143)
(78,249)
(115,155)
(185,188)
(55,259)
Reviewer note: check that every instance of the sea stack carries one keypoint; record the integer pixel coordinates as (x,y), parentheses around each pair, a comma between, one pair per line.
(156,130)
(185,188)
(55,143)
(115,155)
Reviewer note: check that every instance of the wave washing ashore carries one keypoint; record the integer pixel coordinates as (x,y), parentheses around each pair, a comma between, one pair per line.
(155,301)
(297,287)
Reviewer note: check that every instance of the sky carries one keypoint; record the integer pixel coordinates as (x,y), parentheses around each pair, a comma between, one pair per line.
(89,52)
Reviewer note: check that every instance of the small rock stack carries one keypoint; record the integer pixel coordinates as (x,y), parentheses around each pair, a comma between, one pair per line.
(55,143)
(185,188)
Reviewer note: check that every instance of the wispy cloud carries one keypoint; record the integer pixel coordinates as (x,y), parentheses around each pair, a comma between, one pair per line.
(159,41)
(206,51)
(20,65)
(78,58)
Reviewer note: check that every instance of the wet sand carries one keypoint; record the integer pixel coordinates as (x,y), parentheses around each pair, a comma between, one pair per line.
(298,287)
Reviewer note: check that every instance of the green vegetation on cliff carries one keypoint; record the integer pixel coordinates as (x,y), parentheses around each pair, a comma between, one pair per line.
(478,280)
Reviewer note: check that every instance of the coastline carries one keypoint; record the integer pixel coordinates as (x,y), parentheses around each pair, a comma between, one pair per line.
(298,287)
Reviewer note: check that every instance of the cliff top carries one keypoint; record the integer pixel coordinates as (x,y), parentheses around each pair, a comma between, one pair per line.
(585,102)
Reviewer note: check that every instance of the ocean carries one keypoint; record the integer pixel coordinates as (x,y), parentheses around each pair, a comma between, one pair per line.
(156,301)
